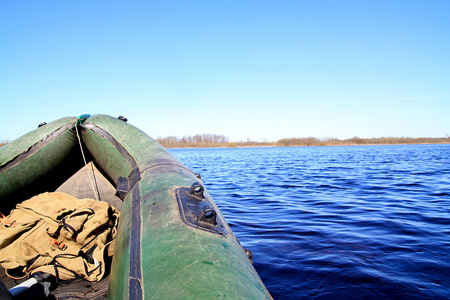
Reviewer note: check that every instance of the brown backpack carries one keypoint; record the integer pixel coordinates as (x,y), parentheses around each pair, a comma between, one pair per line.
(58,234)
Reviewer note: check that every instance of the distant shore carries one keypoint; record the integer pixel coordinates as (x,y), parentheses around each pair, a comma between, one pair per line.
(219,141)
(222,142)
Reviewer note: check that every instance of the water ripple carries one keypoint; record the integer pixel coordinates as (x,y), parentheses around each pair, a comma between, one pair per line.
(337,222)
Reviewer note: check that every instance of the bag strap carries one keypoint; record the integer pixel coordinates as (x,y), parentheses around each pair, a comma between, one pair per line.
(57,265)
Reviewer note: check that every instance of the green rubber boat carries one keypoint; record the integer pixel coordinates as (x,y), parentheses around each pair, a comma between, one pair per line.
(172,240)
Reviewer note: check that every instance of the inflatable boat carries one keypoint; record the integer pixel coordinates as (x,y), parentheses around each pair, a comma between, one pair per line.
(172,240)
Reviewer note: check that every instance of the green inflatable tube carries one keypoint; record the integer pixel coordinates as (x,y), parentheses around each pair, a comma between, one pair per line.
(172,242)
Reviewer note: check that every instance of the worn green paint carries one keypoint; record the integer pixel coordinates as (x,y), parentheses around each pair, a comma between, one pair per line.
(38,161)
(118,283)
(106,155)
(23,143)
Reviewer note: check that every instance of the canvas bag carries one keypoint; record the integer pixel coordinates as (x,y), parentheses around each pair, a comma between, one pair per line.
(58,234)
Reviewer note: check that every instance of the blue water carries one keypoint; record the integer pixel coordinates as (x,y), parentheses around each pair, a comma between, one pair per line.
(357,222)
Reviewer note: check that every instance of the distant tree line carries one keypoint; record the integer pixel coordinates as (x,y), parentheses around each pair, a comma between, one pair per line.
(311,141)
(217,140)
(214,140)
(203,140)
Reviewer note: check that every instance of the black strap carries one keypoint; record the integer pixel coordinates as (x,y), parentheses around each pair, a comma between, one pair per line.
(57,265)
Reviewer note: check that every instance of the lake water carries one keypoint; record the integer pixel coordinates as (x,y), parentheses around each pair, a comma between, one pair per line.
(356,222)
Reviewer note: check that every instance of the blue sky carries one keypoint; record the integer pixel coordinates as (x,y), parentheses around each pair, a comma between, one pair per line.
(263,70)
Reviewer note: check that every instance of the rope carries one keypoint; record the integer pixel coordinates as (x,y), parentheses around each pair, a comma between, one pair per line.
(92,180)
